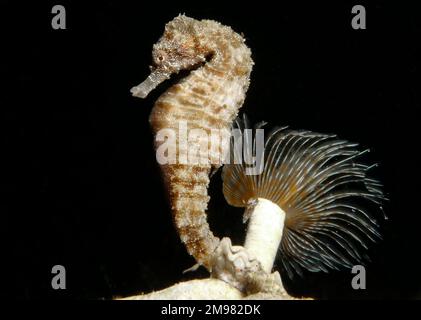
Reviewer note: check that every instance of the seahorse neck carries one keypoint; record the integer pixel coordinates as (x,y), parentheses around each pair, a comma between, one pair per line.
(225,77)
(229,53)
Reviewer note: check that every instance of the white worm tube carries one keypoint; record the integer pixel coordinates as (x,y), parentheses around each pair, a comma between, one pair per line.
(264,233)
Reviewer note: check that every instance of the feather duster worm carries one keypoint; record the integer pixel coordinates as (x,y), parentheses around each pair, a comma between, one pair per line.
(310,183)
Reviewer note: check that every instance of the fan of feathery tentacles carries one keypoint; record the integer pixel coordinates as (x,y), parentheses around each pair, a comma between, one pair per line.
(331,205)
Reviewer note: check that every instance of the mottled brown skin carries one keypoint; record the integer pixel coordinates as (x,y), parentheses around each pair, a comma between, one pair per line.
(209,98)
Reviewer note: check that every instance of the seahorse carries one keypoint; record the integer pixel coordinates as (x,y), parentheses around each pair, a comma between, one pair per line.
(209,98)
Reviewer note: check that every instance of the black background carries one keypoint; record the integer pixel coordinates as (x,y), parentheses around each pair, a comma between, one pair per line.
(78,180)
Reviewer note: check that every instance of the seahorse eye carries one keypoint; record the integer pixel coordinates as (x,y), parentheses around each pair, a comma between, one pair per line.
(159,57)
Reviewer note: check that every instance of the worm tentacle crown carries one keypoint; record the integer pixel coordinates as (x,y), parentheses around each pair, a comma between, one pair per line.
(316,179)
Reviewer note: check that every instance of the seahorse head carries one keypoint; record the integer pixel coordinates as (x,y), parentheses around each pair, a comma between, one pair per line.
(178,49)
(180,46)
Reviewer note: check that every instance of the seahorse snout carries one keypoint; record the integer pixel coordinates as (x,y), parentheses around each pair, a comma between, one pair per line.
(156,77)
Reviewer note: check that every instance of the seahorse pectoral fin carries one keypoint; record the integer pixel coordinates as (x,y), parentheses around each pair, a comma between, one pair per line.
(156,77)
(193,268)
